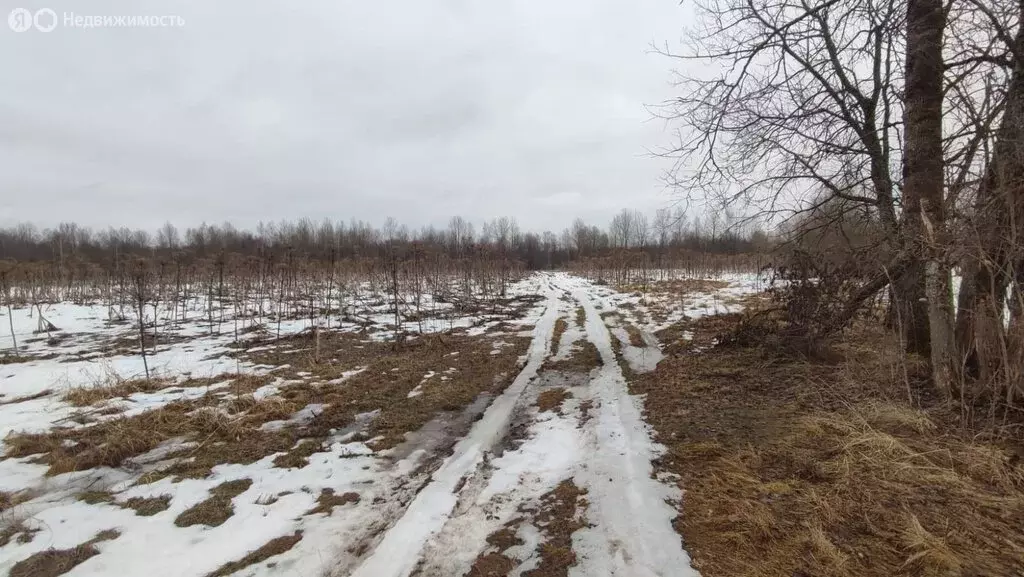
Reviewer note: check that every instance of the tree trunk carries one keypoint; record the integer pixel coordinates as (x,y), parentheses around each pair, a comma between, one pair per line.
(924,178)
(991,346)
(908,311)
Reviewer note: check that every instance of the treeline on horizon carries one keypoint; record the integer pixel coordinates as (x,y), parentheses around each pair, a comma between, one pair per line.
(502,237)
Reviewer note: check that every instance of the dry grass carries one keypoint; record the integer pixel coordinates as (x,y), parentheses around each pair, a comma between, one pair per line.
(32,397)
(298,456)
(54,562)
(583,358)
(824,469)
(390,375)
(16,528)
(269,549)
(86,396)
(96,497)
(636,338)
(494,562)
(113,442)
(556,337)
(678,287)
(585,408)
(560,517)
(327,501)
(148,506)
(9,500)
(383,388)
(226,422)
(581,317)
(552,399)
(9,359)
(217,509)
(115,387)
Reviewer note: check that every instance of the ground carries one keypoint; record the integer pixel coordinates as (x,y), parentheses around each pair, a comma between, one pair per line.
(552,434)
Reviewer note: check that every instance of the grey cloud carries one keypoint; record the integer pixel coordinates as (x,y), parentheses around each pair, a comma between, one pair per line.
(261,110)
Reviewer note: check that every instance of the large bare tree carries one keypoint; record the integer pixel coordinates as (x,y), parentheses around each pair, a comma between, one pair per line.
(909,111)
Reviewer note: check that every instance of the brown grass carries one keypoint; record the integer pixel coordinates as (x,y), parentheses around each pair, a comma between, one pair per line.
(217,509)
(112,442)
(585,408)
(16,400)
(9,500)
(148,506)
(269,549)
(86,396)
(560,517)
(9,359)
(823,468)
(382,388)
(581,317)
(636,339)
(327,501)
(583,358)
(227,430)
(679,287)
(556,337)
(96,497)
(298,456)
(54,562)
(116,387)
(552,399)
(17,528)
(494,563)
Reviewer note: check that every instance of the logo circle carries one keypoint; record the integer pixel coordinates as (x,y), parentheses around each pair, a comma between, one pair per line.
(45,24)
(20,19)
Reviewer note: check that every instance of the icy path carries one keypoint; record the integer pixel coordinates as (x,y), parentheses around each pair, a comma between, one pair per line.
(630,531)
(473,494)
(400,550)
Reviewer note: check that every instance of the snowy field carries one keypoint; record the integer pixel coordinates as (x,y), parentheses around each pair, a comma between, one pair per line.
(337,452)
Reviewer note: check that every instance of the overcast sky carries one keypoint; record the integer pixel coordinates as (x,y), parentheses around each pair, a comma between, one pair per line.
(269,109)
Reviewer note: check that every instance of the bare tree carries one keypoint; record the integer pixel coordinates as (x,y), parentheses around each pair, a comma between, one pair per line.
(924,173)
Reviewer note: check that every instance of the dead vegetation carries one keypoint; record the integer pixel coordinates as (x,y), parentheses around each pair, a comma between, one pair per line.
(494,563)
(583,358)
(270,549)
(16,528)
(16,400)
(54,562)
(148,506)
(559,517)
(96,497)
(556,337)
(115,387)
(327,501)
(217,509)
(9,500)
(552,399)
(676,287)
(225,423)
(824,468)
(90,395)
(636,338)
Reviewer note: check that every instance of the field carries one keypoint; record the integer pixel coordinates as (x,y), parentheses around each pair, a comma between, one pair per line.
(560,427)
(486,440)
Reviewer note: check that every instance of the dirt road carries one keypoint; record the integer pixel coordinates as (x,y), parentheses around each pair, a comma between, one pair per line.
(500,477)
